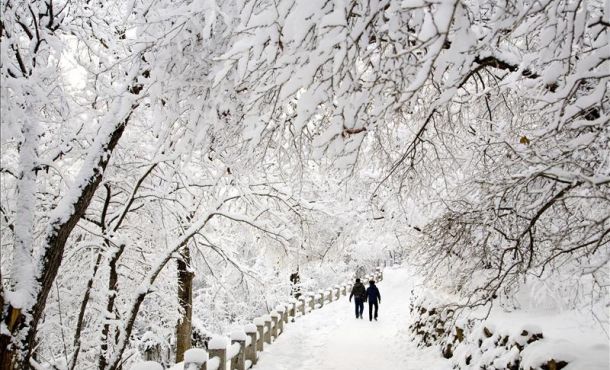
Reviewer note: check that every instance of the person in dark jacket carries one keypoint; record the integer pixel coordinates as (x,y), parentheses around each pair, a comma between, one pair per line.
(374,299)
(359,294)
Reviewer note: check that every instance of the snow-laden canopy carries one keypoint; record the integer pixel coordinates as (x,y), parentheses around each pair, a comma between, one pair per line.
(153,146)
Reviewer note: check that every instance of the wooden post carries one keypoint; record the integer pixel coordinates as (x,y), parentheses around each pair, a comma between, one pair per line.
(344,290)
(238,362)
(195,359)
(280,322)
(337,291)
(267,319)
(274,318)
(251,331)
(285,315)
(320,299)
(312,302)
(292,311)
(217,347)
(260,328)
(302,308)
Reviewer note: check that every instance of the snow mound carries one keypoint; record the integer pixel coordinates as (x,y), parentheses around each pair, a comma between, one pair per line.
(196,355)
(218,342)
(147,365)
(239,335)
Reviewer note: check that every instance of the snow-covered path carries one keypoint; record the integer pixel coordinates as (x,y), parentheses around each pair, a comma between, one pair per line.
(333,339)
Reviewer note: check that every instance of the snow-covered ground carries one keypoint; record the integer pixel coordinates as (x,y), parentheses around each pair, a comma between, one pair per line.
(333,339)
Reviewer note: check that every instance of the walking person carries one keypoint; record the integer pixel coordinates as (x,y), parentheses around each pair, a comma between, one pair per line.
(374,298)
(359,294)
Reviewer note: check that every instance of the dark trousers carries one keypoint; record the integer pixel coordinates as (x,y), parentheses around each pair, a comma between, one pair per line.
(371,305)
(359,306)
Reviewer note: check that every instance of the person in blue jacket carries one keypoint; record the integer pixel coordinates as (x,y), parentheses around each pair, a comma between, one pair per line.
(374,299)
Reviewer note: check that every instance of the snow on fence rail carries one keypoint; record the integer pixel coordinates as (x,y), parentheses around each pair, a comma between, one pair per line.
(241,352)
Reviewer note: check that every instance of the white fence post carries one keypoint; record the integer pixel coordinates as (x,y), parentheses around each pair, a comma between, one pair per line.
(285,314)
(274,324)
(238,361)
(217,347)
(195,359)
(267,319)
(251,331)
(302,308)
(260,327)
(281,310)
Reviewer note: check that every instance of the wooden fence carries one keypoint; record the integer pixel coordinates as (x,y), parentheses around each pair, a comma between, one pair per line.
(239,350)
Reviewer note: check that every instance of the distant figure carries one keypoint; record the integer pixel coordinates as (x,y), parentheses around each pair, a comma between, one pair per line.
(359,294)
(374,298)
(295,281)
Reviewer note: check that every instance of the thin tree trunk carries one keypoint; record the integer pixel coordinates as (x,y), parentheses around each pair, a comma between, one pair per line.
(87,295)
(184,327)
(113,279)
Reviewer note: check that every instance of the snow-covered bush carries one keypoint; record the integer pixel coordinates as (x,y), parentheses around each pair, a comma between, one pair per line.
(496,340)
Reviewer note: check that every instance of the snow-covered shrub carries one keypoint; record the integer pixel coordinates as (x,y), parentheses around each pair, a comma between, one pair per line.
(495,339)
(488,348)
(436,325)
(472,345)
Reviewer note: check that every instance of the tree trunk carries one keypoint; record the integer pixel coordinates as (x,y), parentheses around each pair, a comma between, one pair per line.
(184,327)
(26,321)
(113,280)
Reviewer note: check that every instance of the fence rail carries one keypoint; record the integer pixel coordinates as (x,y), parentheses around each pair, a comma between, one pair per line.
(239,350)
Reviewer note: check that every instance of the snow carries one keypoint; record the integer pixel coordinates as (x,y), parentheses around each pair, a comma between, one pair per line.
(332,339)
(239,334)
(259,321)
(213,363)
(532,335)
(147,365)
(250,328)
(196,355)
(218,342)
(567,337)
(290,74)
(233,350)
